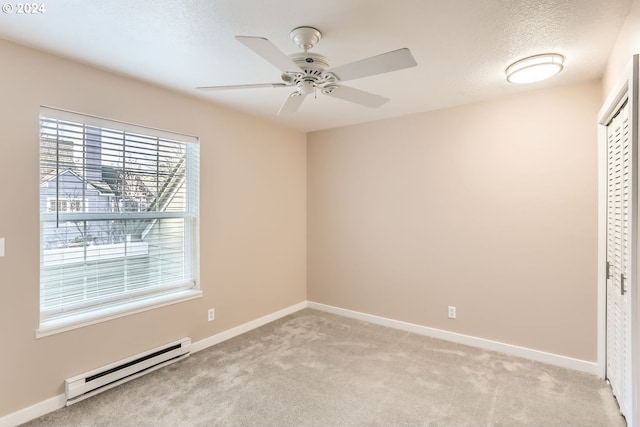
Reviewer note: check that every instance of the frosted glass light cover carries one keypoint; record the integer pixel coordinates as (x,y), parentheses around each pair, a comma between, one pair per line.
(535,68)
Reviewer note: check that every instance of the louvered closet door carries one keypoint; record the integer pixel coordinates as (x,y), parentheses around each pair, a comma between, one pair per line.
(619,177)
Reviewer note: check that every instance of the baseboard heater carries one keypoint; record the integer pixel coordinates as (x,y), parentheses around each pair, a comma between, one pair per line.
(98,380)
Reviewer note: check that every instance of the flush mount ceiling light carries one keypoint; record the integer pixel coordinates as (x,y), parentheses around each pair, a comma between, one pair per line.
(535,68)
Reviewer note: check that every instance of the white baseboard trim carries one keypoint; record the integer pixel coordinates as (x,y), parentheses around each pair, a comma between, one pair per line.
(514,350)
(57,402)
(246,327)
(33,411)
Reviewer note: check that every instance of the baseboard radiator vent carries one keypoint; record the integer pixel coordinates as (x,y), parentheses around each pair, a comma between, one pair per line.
(93,382)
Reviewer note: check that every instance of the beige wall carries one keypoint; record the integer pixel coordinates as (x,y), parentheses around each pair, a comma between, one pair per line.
(490,207)
(253,231)
(628,44)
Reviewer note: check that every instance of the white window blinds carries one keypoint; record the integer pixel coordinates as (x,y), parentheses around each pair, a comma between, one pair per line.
(118,213)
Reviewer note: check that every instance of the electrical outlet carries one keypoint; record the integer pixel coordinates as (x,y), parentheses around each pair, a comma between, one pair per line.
(452,312)
(211,314)
(1,246)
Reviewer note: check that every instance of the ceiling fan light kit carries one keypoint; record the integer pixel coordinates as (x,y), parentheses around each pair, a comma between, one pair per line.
(309,72)
(535,68)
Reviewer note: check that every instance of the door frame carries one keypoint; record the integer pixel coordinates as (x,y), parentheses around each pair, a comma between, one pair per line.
(627,88)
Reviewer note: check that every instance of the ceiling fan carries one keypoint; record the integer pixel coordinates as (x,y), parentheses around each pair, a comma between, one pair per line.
(308,72)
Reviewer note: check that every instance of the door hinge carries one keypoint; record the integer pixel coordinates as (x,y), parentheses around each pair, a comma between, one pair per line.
(622,289)
(608,274)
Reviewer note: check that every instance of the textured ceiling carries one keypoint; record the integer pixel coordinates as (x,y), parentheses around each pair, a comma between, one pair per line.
(462,46)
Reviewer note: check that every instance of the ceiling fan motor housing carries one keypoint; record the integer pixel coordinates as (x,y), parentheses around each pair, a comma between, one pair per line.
(313,74)
(312,61)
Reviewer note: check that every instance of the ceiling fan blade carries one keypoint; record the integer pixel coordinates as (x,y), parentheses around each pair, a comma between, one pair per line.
(383,63)
(249,86)
(269,52)
(358,96)
(292,103)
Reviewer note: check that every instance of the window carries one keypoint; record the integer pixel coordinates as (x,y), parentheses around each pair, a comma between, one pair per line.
(118,219)
(66,205)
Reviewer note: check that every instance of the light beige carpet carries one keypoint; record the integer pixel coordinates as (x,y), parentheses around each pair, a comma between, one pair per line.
(318,369)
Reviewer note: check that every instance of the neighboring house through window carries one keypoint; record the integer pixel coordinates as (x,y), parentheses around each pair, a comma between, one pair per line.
(118,218)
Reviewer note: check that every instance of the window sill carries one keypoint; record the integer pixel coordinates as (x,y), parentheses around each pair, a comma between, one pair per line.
(79,320)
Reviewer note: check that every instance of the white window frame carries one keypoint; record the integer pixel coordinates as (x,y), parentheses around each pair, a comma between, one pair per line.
(140,301)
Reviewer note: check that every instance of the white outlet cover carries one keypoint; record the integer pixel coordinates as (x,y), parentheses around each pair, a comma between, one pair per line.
(1,246)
